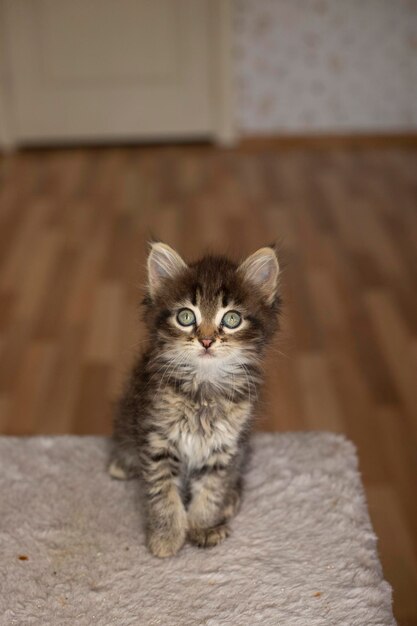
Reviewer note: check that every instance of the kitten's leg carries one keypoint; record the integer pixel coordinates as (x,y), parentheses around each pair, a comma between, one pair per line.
(215,499)
(124,463)
(124,459)
(117,471)
(233,501)
(166,515)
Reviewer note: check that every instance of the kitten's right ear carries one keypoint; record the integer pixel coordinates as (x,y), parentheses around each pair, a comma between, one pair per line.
(163,262)
(261,269)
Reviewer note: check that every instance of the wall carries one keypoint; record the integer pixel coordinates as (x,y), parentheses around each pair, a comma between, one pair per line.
(5,85)
(325,65)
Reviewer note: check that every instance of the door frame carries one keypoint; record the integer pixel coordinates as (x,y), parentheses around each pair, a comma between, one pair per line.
(224,131)
(223,88)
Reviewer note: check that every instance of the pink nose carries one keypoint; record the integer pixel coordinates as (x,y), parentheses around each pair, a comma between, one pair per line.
(207,343)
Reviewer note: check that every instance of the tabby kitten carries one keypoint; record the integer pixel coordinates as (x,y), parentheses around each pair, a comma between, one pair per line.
(183,422)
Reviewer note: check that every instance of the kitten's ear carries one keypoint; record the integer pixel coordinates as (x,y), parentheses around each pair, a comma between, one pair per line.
(163,262)
(261,269)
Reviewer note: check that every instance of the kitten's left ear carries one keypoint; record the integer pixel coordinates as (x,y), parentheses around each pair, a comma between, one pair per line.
(261,269)
(163,262)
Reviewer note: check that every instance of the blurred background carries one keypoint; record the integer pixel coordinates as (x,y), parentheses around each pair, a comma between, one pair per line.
(218,125)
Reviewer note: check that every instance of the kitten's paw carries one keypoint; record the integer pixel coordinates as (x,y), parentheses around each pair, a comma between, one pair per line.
(163,546)
(208,537)
(116,471)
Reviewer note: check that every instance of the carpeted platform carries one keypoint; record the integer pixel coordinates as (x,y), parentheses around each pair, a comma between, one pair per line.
(302,552)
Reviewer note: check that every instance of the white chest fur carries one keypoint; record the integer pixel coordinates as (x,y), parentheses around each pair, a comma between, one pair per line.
(206,431)
(198,429)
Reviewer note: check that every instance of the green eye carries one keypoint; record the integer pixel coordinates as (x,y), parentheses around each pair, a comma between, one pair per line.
(231,319)
(186,317)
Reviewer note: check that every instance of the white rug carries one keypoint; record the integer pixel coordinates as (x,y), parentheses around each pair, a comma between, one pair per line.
(302,552)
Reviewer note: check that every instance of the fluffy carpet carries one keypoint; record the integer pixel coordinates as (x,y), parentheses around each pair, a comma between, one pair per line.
(302,551)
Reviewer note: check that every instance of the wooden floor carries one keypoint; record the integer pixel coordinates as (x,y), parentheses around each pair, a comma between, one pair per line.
(74,226)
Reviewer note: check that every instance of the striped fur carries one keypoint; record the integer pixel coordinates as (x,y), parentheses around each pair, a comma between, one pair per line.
(182,425)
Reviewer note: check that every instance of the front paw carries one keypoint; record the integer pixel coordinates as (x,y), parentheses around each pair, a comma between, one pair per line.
(208,537)
(167,543)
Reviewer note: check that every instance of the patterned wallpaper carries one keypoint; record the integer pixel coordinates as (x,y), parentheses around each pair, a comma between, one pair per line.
(305,65)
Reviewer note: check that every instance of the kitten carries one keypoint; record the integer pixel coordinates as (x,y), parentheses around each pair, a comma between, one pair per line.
(183,422)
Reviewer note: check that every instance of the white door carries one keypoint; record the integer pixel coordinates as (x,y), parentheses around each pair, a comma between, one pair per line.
(112,69)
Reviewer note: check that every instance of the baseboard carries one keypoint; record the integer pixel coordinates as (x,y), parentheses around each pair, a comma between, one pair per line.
(330,141)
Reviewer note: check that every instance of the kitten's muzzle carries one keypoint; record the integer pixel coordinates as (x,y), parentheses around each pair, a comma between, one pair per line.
(206,342)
